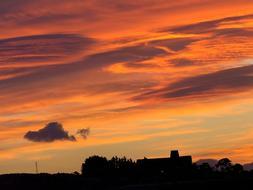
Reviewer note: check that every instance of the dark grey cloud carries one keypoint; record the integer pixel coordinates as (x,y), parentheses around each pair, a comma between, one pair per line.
(48,18)
(21,13)
(12,71)
(176,44)
(182,62)
(222,82)
(123,6)
(39,48)
(123,86)
(8,7)
(136,65)
(225,80)
(126,54)
(96,62)
(83,132)
(197,28)
(206,26)
(51,132)
(234,32)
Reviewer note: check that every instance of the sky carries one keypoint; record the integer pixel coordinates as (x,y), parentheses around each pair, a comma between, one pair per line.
(128,78)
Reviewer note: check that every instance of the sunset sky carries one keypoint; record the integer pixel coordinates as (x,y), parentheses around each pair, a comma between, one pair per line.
(141,76)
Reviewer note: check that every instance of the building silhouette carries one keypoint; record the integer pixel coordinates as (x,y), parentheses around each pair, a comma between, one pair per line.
(175,164)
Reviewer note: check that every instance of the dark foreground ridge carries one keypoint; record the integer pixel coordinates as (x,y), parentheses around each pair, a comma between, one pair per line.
(174,172)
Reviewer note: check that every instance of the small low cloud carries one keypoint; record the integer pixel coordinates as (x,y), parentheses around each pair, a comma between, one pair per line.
(83,132)
(51,132)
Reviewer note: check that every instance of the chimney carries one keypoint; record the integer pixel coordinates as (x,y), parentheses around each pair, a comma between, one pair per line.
(174,154)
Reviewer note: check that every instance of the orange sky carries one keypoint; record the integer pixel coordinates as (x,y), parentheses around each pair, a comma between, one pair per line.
(144,76)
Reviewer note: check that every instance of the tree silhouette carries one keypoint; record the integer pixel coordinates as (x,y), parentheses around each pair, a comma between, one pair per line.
(121,169)
(224,165)
(237,168)
(120,166)
(205,167)
(122,163)
(100,166)
(95,166)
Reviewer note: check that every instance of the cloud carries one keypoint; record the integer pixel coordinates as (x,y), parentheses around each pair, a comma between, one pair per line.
(51,75)
(181,62)
(51,132)
(96,61)
(83,132)
(135,59)
(176,44)
(206,26)
(217,83)
(41,48)
(135,53)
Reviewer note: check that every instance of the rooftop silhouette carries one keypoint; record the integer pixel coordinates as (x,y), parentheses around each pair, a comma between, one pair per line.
(172,164)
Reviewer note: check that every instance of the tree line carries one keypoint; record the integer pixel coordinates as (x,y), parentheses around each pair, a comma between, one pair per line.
(99,166)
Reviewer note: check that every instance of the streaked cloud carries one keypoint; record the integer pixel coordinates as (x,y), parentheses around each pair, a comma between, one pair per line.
(212,84)
(40,49)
